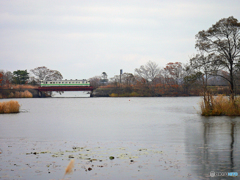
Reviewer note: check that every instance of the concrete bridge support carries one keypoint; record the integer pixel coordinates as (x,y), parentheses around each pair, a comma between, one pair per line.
(91,93)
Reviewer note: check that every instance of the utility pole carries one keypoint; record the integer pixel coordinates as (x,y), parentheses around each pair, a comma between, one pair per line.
(120,75)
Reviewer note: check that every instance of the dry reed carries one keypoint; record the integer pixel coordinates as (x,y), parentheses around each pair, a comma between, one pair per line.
(9,107)
(221,105)
(11,95)
(18,86)
(25,94)
(69,168)
(17,94)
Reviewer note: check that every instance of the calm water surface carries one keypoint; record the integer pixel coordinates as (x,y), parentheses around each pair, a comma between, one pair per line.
(149,138)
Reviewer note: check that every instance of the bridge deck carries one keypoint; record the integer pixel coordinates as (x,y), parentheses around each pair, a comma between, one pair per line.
(66,88)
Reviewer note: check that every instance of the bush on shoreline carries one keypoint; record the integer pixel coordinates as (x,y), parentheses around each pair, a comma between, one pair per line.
(220,106)
(17,94)
(25,94)
(133,94)
(9,107)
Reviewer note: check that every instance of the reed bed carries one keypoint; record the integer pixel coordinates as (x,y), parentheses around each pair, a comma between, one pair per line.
(17,94)
(221,106)
(9,107)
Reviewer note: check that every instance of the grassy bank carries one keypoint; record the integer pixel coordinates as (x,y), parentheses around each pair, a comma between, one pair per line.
(17,91)
(220,106)
(9,107)
(16,94)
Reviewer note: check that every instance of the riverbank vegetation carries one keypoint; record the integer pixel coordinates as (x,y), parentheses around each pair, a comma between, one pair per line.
(220,105)
(21,83)
(17,94)
(214,70)
(9,107)
(174,80)
(16,91)
(219,48)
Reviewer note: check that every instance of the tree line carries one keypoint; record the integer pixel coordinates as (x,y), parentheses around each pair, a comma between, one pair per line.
(175,79)
(214,68)
(24,77)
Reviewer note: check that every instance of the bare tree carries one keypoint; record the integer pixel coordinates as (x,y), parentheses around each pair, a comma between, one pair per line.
(174,71)
(128,78)
(222,40)
(203,64)
(7,77)
(203,67)
(115,80)
(189,78)
(43,73)
(147,72)
(95,81)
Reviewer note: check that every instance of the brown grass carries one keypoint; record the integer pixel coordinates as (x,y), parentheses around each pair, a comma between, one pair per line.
(9,107)
(17,94)
(221,106)
(18,86)
(26,94)
(11,95)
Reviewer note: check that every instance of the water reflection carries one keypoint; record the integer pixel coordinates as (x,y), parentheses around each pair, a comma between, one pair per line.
(213,147)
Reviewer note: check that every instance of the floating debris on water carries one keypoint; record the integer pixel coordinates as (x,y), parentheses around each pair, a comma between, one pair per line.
(111,157)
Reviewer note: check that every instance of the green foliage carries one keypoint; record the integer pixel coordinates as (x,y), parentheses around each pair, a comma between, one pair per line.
(20,77)
(192,78)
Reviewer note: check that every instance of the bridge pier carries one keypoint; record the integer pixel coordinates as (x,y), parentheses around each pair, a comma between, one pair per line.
(40,94)
(91,93)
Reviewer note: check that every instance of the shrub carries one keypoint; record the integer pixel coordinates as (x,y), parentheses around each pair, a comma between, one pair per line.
(113,95)
(26,94)
(134,94)
(17,94)
(9,107)
(11,95)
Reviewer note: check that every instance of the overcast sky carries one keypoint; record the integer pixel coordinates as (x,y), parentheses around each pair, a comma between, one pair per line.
(83,38)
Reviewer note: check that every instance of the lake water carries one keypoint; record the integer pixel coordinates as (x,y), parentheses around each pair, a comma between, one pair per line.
(117,138)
